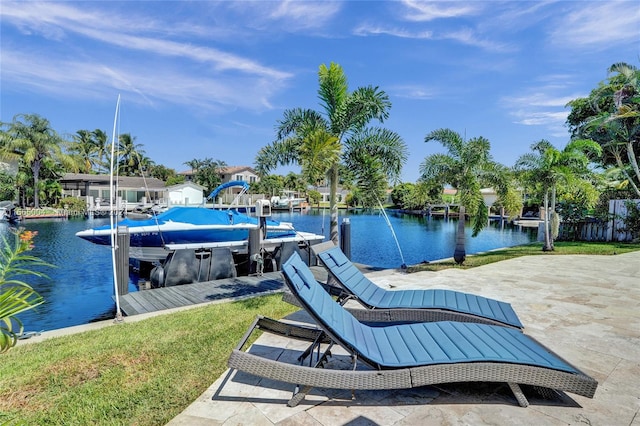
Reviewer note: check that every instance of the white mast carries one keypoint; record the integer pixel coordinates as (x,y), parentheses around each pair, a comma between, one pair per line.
(113,194)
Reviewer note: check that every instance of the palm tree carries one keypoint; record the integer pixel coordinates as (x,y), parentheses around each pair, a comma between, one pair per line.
(83,149)
(610,115)
(210,173)
(467,166)
(548,167)
(102,150)
(207,172)
(315,141)
(374,158)
(31,139)
(130,154)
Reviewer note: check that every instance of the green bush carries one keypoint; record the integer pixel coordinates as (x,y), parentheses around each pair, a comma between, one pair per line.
(73,204)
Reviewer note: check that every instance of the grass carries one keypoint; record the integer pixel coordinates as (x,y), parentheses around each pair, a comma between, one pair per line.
(147,372)
(533,249)
(138,373)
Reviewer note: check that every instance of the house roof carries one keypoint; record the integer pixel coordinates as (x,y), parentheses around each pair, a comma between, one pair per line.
(237,169)
(132,182)
(186,184)
(229,170)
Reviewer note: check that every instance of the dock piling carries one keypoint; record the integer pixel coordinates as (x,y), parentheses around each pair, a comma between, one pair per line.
(122,259)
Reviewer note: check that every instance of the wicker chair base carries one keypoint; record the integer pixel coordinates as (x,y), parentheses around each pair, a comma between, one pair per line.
(401,378)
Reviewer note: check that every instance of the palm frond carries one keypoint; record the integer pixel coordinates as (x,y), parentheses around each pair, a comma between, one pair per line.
(449,139)
(441,168)
(299,121)
(384,144)
(318,153)
(333,88)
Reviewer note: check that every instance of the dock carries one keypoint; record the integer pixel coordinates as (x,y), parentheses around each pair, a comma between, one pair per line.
(159,299)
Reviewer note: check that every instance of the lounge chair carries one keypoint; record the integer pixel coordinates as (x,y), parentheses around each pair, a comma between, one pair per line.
(421,305)
(405,355)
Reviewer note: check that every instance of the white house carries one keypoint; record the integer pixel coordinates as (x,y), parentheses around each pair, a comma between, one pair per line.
(186,194)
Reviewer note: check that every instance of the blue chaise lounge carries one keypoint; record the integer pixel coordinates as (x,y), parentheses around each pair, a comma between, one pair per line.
(408,305)
(402,356)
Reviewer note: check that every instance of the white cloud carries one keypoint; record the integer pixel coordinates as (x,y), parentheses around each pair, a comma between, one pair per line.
(130,54)
(288,15)
(598,24)
(543,105)
(422,11)
(366,29)
(413,92)
(62,20)
(143,84)
(311,14)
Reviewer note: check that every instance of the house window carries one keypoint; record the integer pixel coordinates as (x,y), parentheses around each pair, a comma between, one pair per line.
(252,179)
(239,177)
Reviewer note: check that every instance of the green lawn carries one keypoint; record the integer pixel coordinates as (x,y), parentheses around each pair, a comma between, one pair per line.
(533,249)
(138,373)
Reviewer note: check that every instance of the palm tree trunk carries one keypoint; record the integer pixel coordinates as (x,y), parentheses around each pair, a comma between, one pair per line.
(333,204)
(547,243)
(35,169)
(459,254)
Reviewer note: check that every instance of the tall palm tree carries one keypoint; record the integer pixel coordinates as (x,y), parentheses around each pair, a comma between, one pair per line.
(31,140)
(102,150)
(316,141)
(83,148)
(130,154)
(467,167)
(548,167)
(610,115)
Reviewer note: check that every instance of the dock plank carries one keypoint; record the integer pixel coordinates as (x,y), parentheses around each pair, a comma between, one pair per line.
(158,299)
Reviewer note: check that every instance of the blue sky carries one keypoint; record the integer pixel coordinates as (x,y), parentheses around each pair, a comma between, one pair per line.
(208,79)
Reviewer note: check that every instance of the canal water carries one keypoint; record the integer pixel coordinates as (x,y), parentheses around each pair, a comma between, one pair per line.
(79,288)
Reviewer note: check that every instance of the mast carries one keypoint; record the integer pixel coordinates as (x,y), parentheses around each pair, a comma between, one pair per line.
(113,228)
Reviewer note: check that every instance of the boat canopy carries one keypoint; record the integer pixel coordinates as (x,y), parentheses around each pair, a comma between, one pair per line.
(215,192)
(194,216)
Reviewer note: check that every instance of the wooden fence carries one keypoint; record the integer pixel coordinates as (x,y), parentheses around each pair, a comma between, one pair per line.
(586,231)
(612,230)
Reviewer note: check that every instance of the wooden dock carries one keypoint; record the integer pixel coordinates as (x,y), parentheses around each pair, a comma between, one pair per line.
(228,289)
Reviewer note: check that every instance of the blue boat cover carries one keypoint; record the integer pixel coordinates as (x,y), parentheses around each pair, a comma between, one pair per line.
(410,345)
(375,296)
(195,216)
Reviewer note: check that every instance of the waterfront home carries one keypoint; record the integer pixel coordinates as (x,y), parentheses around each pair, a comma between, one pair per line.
(132,191)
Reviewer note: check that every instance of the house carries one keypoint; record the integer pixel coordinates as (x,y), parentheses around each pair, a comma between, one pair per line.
(131,190)
(186,194)
(324,191)
(228,174)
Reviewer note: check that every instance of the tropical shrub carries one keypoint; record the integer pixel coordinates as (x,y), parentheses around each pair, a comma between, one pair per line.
(72,204)
(16,296)
(314,196)
(401,193)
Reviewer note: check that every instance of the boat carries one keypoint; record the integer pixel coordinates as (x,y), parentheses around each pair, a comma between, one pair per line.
(288,202)
(8,212)
(151,240)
